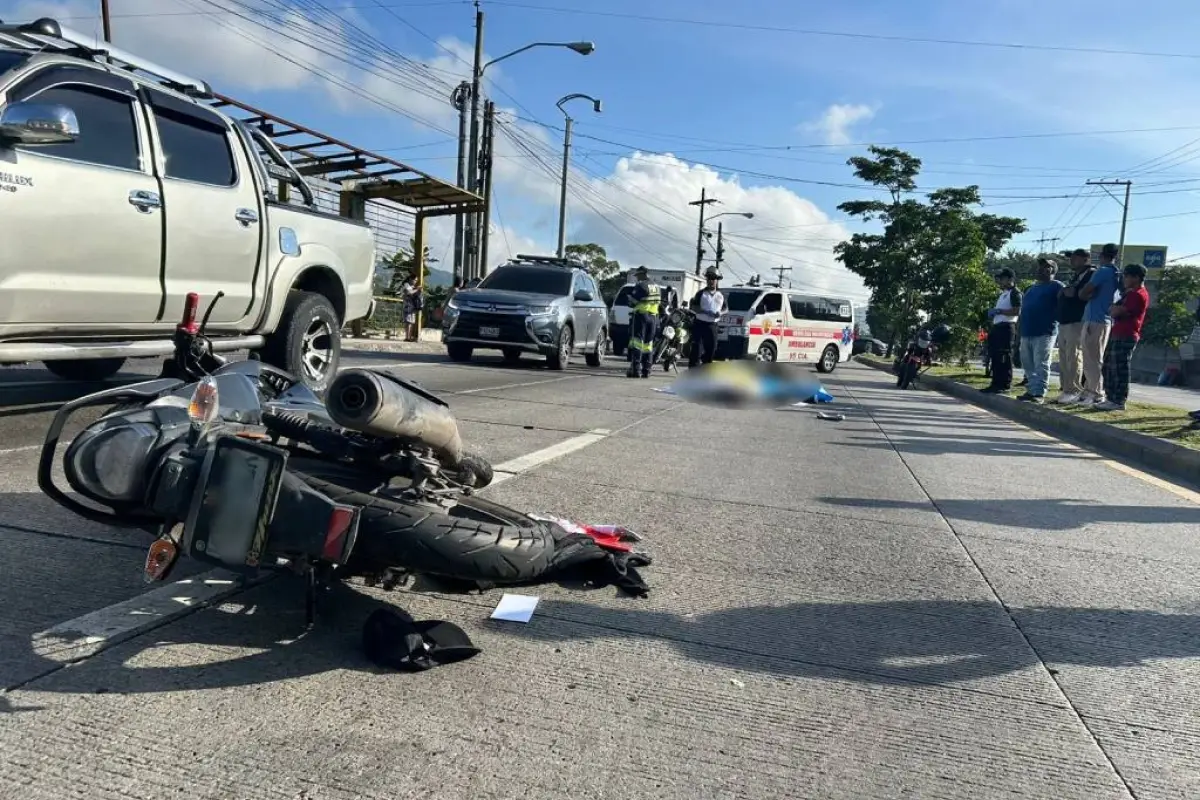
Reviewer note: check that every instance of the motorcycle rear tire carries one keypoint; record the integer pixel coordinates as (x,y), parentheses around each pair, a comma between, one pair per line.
(476,540)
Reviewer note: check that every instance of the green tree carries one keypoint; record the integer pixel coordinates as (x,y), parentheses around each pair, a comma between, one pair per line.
(1022,262)
(605,271)
(403,264)
(1168,322)
(929,257)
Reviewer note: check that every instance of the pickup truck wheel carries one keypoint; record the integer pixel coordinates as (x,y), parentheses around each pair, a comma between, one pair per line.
(459,351)
(307,342)
(93,370)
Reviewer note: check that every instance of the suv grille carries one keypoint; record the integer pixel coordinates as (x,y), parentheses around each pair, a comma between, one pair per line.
(512,326)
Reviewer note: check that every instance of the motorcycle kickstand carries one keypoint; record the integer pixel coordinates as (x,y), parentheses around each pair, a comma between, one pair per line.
(310,599)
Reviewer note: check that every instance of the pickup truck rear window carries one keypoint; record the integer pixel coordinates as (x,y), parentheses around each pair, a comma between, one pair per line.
(529,280)
(196,146)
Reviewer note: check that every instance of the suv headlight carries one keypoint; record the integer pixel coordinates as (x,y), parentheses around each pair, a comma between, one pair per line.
(539,311)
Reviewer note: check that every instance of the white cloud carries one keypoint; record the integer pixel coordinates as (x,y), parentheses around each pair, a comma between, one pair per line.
(836,122)
(640,212)
(647,196)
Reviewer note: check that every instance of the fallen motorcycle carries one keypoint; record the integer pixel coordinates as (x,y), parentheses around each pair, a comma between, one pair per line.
(239,465)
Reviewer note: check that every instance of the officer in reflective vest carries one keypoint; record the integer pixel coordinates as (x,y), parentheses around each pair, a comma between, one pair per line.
(643,321)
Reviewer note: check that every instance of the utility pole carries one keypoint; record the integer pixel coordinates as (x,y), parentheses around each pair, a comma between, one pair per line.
(720,247)
(1042,242)
(1124,213)
(106,19)
(781,269)
(485,165)
(472,228)
(702,202)
(562,200)
(458,99)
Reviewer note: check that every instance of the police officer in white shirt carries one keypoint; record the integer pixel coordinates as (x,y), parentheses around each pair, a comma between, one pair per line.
(708,304)
(1003,333)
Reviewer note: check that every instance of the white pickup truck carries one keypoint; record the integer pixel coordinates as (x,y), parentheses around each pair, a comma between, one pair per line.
(122,190)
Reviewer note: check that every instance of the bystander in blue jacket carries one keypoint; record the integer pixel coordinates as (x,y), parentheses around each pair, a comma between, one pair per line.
(1039,329)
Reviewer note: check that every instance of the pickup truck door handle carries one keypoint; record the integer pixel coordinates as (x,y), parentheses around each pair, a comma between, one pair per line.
(246,216)
(144,201)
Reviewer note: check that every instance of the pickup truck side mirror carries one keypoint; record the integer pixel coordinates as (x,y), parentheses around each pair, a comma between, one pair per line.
(584,296)
(38,124)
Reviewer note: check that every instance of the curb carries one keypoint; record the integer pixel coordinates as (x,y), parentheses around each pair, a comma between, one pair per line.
(1155,455)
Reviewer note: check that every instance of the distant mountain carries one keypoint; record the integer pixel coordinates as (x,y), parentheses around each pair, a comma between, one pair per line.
(439,277)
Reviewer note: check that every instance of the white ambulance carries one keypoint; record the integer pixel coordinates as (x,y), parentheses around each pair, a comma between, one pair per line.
(768,323)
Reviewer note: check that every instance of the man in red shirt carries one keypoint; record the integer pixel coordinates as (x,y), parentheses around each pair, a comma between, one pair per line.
(1128,315)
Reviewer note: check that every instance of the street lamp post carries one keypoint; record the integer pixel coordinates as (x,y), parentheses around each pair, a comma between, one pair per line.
(477,70)
(721,230)
(566,165)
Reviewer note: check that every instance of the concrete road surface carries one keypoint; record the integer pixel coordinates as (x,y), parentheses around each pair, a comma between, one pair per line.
(900,605)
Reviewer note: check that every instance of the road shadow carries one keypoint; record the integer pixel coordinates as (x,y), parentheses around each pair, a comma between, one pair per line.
(931,642)
(1049,514)
(919,443)
(46,393)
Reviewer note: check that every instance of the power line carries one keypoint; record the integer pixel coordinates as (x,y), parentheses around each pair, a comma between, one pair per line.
(851,34)
(198,13)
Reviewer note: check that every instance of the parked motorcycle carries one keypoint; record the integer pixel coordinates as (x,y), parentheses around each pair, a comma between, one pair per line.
(673,339)
(241,466)
(919,355)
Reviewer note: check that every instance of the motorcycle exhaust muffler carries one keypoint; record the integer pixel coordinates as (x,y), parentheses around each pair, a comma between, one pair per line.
(383,405)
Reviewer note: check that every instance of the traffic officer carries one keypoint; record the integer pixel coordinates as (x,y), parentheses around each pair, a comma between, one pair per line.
(708,304)
(643,321)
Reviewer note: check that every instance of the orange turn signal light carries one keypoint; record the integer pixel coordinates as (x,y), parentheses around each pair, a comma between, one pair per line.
(159,559)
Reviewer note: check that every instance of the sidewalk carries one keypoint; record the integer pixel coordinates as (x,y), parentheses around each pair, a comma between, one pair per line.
(1173,396)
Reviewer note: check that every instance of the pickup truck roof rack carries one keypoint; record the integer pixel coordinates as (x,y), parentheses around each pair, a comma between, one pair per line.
(47,34)
(378,177)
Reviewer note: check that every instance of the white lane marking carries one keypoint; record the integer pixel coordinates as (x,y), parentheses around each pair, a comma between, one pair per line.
(23,449)
(518,385)
(98,630)
(521,464)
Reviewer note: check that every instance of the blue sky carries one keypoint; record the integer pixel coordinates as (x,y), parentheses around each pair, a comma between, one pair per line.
(761,116)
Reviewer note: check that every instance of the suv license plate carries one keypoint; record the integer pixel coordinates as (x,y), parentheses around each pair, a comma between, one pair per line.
(491,333)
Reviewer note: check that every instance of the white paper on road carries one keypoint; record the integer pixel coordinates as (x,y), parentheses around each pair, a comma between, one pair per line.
(515,608)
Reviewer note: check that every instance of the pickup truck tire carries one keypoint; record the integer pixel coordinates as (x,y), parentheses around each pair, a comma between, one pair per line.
(459,351)
(96,369)
(307,342)
(560,356)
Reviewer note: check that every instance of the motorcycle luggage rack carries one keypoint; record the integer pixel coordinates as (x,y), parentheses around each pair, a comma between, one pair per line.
(47,35)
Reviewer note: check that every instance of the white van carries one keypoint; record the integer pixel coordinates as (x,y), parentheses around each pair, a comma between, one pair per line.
(772,324)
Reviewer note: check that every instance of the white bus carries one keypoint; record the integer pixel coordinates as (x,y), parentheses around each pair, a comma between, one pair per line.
(768,323)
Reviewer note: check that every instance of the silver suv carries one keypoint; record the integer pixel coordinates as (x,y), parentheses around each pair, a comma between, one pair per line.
(533,304)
